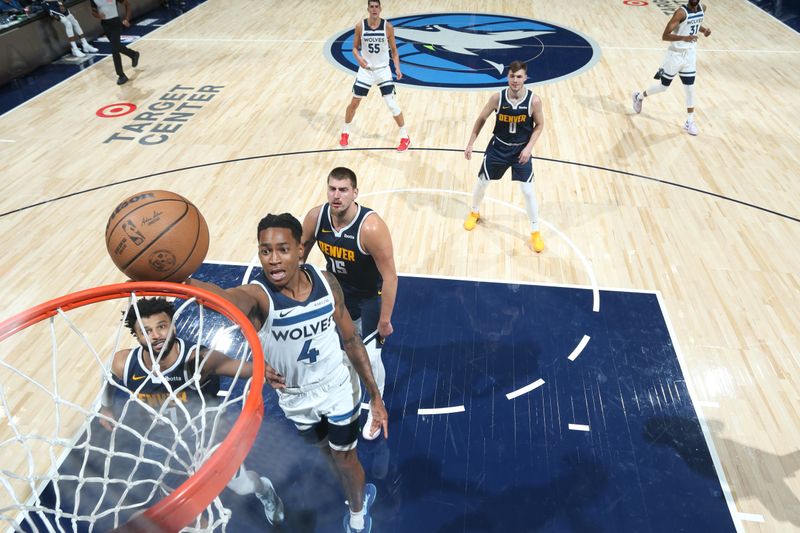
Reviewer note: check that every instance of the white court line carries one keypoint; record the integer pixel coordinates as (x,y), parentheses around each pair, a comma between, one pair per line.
(704,50)
(726,489)
(579,348)
(749,517)
(586,264)
(200,40)
(441,410)
(7,141)
(579,427)
(527,388)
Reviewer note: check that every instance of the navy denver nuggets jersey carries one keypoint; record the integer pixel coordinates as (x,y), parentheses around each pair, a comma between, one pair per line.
(353,267)
(514,122)
(374,45)
(152,389)
(299,338)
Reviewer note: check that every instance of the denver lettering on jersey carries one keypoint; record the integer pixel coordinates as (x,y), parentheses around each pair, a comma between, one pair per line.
(337,252)
(502,117)
(156,399)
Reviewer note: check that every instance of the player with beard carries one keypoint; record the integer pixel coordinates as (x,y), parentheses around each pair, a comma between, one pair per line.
(160,372)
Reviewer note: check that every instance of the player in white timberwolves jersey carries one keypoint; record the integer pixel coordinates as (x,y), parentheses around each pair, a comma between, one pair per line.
(372,42)
(298,310)
(160,372)
(681,32)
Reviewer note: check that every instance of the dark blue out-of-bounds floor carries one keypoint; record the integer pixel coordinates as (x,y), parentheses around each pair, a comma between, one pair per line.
(637,461)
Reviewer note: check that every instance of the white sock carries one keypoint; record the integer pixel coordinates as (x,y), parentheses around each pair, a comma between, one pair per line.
(84,42)
(655,89)
(531,205)
(357,519)
(346,128)
(403,132)
(477,193)
(246,482)
(690,117)
(73,46)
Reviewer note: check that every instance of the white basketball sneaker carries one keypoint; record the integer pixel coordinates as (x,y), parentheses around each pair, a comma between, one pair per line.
(77,53)
(273,506)
(88,48)
(691,128)
(637,102)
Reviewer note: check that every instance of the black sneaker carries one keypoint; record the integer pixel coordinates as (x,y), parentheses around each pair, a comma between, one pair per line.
(135,60)
(122,79)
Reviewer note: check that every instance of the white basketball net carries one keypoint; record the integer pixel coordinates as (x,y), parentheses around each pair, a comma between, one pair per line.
(59,469)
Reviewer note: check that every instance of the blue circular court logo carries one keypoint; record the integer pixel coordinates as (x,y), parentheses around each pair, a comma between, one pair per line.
(470,51)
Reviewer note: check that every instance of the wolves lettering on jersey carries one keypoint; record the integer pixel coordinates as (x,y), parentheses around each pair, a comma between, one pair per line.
(690,25)
(299,338)
(514,124)
(374,45)
(153,389)
(353,267)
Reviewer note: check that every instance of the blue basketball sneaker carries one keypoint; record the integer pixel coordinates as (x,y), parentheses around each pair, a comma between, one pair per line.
(370,493)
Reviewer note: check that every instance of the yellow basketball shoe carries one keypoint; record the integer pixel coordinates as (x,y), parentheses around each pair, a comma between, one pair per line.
(537,242)
(472,220)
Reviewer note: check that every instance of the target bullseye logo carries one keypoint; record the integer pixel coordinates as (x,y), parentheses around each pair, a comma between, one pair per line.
(116,110)
(635,3)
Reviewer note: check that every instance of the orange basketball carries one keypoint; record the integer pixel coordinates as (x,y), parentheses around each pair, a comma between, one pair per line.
(157,236)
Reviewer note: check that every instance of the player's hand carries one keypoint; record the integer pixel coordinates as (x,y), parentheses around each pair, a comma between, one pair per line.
(380,418)
(110,414)
(468,152)
(126,23)
(385,329)
(690,38)
(706,31)
(363,62)
(275,380)
(398,74)
(525,155)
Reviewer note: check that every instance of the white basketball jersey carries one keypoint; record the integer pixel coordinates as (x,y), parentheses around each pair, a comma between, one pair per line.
(299,338)
(374,45)
(689,26)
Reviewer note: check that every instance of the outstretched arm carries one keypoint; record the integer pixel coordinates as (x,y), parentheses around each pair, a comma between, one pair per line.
(250,299)
(220,364)
(357,354)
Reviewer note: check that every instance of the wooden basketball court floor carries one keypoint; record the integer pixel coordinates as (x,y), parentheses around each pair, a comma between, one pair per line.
(629,201)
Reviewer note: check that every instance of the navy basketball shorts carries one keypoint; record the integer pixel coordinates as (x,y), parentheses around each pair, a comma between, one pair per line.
(500,157)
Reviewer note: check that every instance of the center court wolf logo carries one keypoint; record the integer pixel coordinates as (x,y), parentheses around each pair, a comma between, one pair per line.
(469,51)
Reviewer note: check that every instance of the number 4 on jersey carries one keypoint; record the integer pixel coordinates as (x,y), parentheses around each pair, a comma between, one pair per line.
(308,353)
